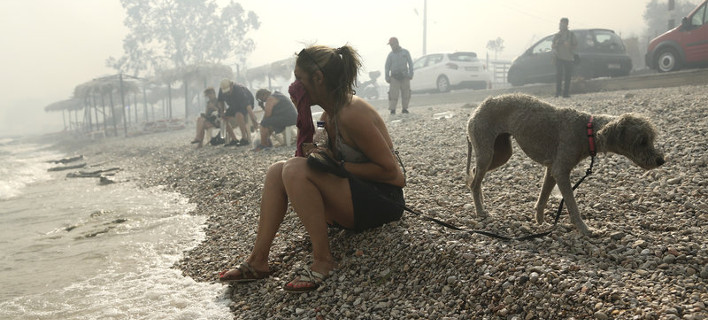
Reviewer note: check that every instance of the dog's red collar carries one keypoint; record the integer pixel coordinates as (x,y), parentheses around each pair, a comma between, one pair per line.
(591,137)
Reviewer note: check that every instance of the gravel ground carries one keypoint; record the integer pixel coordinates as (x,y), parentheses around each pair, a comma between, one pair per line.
(648,258)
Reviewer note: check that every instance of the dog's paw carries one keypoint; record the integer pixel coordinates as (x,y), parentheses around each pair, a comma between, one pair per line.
(482,214)
(540,218)
(595,233)
(587,232)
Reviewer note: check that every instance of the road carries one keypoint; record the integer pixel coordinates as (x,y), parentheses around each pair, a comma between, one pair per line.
(643,81)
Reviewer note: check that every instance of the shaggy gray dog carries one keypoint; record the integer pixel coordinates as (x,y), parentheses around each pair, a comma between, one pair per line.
(554,137)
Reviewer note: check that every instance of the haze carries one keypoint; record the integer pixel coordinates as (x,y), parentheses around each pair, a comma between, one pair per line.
(51,46)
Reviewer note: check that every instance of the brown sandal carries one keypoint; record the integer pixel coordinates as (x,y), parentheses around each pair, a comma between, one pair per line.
(247,274)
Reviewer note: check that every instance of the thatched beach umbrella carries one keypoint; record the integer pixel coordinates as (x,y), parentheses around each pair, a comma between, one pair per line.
(65,106)
(196,76)
(108,86)
(279,69)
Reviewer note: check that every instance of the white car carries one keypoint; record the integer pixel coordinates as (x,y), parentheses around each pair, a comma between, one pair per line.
(445,71)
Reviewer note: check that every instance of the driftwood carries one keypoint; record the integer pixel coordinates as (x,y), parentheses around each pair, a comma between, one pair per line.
(67,160)
(93,174)
(60,168)
(105,180)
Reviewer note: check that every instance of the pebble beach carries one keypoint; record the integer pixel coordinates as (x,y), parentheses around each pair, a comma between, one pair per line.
(647,259)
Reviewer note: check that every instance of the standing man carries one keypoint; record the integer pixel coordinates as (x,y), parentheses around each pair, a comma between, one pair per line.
(564,44)
(399,72)
(240,102)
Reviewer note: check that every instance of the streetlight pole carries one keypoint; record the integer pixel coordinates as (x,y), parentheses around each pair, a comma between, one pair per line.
(425,24)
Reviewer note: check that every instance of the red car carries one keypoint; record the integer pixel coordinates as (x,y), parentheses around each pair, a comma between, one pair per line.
(683,46)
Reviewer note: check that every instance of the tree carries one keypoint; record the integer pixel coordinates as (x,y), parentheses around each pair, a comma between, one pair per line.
(496,46)
(657,15)
(172,34)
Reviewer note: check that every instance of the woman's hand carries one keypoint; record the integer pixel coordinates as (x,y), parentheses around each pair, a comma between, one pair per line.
(309,148)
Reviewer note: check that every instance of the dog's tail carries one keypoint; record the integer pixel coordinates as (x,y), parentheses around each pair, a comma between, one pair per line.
(469,154)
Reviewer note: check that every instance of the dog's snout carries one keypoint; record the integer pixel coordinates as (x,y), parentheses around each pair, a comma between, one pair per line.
(660,161)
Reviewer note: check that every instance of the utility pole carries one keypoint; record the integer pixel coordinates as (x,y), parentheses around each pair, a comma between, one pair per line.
(672,15)
(425,24)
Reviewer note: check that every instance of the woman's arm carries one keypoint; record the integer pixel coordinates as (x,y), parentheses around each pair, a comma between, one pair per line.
(249,109)
(270,103)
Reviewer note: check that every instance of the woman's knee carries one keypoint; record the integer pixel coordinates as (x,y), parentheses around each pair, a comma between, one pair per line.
(276,168)
(275,171)
(295,169)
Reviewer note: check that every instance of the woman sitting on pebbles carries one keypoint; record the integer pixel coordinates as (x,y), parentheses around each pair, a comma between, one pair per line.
(359,141)
(208,119)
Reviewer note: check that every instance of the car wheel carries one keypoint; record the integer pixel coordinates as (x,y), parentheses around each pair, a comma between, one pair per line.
(668,60)
(443,84)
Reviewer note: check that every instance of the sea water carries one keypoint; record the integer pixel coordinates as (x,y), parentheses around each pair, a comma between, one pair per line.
(73,249)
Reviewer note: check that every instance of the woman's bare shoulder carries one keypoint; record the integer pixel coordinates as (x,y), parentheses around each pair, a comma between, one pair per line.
(359,115)
(358,107)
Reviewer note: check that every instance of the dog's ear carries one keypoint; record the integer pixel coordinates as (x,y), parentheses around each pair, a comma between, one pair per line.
(643,141)
(634,128)
(625,129)
(617,132)
(624,126)
(635,131)
(612,132)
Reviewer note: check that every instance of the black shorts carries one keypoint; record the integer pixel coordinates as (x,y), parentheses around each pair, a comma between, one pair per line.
(278,123)
(375,204)
(231,111)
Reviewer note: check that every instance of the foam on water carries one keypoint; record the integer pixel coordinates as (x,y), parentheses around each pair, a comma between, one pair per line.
(23,164)
(76,250)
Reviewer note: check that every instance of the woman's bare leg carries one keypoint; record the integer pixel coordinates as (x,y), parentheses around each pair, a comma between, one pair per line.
(200,129)
(274,205)
(265,137)
(206,126)
(317,198)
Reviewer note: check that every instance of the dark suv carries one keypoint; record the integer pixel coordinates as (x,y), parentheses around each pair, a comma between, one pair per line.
(685,45)
(602,54)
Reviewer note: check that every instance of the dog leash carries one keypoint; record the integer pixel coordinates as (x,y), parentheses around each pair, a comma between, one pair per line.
(588,172)
(340,171)
(492,234)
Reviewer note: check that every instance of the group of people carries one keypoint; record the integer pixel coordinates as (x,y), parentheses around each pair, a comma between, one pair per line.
(363,191)
(234,106)
(279,111)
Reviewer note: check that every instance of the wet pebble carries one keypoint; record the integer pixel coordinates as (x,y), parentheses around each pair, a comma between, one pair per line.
(647,259)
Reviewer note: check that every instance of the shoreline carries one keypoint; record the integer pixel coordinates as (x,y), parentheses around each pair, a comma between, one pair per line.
(648,260)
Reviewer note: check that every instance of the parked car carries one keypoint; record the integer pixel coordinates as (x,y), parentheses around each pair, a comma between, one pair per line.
(445,71)
(683,46)
(602,54)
